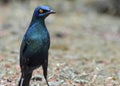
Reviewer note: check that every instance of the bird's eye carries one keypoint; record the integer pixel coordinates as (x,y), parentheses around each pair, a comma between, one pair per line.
(41,11)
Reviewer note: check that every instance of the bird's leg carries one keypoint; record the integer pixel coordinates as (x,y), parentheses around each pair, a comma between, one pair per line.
(25,79)
(44,66)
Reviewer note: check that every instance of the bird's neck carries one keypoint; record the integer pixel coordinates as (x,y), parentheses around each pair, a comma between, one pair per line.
(37,20)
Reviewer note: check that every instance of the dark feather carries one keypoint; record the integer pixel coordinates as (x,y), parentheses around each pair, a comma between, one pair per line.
(35,46)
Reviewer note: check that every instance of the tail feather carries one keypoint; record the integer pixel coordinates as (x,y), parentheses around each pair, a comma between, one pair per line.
(25,79)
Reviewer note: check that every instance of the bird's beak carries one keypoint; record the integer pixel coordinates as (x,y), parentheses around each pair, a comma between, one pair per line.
(52,12)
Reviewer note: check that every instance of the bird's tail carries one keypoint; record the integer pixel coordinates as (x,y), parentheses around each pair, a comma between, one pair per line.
(25,79)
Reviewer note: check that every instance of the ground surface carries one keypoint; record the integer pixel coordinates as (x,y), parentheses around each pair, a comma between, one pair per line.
(84,47)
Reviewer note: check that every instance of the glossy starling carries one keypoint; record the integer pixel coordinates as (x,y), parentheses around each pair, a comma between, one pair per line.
(35,46)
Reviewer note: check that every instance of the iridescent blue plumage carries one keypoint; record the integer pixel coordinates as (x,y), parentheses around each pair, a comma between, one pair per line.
(35,46)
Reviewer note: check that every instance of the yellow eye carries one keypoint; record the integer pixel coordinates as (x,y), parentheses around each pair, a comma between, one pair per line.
(41,11)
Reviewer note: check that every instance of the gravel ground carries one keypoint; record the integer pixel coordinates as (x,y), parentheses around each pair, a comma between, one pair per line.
(84,47)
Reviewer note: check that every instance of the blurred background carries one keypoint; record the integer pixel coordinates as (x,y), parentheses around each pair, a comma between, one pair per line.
(85,41)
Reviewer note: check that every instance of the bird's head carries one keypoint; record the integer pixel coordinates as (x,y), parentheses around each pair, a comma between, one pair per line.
(42,12)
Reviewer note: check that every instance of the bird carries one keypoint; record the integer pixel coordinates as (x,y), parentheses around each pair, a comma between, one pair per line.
(35,46)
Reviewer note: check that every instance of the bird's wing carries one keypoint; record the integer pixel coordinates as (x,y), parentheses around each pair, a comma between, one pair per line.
(22,50)
(25,50)
(23,47)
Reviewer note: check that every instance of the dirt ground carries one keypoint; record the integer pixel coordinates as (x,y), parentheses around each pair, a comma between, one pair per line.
(84,48)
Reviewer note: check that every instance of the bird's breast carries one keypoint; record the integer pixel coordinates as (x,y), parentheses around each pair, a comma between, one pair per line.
(40,42)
